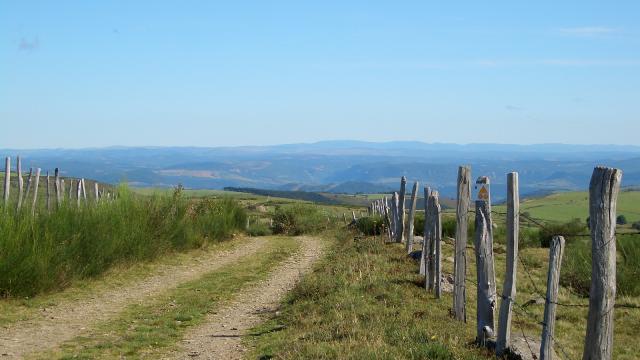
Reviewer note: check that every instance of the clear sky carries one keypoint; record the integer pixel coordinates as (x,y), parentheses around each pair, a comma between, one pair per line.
(211,73)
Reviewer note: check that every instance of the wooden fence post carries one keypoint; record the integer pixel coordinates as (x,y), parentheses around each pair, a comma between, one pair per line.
(460,259)
(483,241)
(96,190)
(412,216)
(29,180)
(394,216)
(35,191)
(79,192)
(56,184)
(7,181)
(509,288)
(401,203)
(62,189)
(48,192)
(553,279)
(70,190)
(20,183)
(84,190)
(425,244)
(437,243)
(603,197)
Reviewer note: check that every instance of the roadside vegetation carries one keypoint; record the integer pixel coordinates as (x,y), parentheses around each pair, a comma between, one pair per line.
(47,252)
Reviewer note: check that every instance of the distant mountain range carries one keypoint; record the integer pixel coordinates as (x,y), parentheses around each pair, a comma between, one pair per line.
(341,166)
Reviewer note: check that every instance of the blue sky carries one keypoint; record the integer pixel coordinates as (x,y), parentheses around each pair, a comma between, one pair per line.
(210,73)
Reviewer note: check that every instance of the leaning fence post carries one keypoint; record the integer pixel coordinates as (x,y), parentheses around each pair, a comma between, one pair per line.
(403,189)
(20,183)
(553,279)
(483,241)
(7,180)
(509,288)
(35,191)
(603,197)
(437,242)
(460,259)
(412,215)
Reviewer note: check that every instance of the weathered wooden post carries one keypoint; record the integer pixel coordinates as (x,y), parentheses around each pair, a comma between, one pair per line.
(7,180)
(35,192)
(394,216)
(20,183)
(79,192)
(96,190)
(56,184)
(431,242)
(70,190)
(353,216)
(84,190)
(401,201)
(603,197)
(412,215)
(437,241)
(509,288)
(62,189)
(48,192)
(553,280)
(29,179)
(424,258)
(483,241)
(460,259)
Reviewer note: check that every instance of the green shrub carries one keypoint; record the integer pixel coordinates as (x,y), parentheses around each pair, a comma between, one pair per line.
(576,267)
(50,250)
(259,229)
(370,225)
(636,225)
(568,230)
(621,220)
(298,219)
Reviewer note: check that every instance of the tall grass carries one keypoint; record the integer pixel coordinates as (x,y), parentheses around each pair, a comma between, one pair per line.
(48,251)
(298,219)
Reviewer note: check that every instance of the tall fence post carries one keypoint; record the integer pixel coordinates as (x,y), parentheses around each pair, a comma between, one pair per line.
(460,259)
(509,287)
(394,216)
(553,279)
(412,216)
(56,184)
(20,183)
(483,243)
(425,243)
(437,242)
(29,180)
(36,184)
(96,190)
(7,180)
(79,192)
(62,189)
(603,197)
(401,205)
(84,190)
(48,192)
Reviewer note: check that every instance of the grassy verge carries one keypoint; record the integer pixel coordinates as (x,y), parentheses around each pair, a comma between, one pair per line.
(154,328)
(47,252)
(365,301)
(27,308)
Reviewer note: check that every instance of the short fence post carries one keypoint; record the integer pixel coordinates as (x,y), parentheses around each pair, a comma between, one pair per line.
(553,279)
(412,215)
(7,180)
(20,183)
(96,190)
(35,191)
(62,189)
(603,197)
(401,199)
(509,288)
(460,259)
(84,190)
(437,242)
(483,241)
